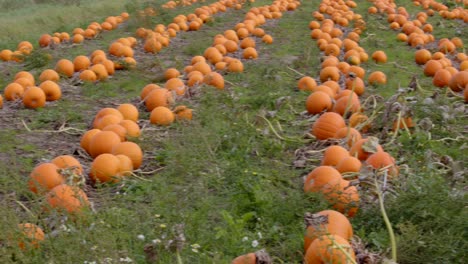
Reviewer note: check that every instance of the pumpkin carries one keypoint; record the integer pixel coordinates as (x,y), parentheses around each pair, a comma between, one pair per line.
(1,101)
(117,129)
(377,78)
(25,74)
(358,71)
(345,105)
(431,67)
(231,46)
(102,121)
(357,120)
(329,73)
(68,162)
(132,128)
(382,159)
(103,142)
(324,250)
(6,55)
(86,138)
(214,79)
(349,165)
(45,40)
(13,91)
(25,82)
(131,150)
(350,134)
(65,67)
(327,124)
(317,102)
(202,67)
(128,111)
(355,84)
(183,113)
(320,177)
(100,71)
(171,73)
(161,115)
(459,81)
(158,97)
(307,83)
(34,97)
(333,155)
(248,258)
(105,168)
(365,147)
(196,78)
(267,39)
(175,84)
(343,197)
(67,198)
(147,89)
(78,38)
(125,165)
(235,65)
(51,90)
(422,56)
(31,236)
(49,75)
(88,76)
(333,85)
(81,63)
(250,53)
(44,177)
(327,222)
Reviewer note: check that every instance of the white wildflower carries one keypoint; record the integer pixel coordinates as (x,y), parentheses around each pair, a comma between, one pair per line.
(254,243)
(245,239)
(141,237)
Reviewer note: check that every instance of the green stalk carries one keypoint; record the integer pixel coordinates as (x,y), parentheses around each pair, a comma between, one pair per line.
(387,222)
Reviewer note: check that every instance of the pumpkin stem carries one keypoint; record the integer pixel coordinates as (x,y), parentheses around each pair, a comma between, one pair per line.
(315,220)
(262,257)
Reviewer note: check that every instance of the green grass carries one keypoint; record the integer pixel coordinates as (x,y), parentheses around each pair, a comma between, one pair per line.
(225,176)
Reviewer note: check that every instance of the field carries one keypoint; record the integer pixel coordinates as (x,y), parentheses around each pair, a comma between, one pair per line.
(232,179)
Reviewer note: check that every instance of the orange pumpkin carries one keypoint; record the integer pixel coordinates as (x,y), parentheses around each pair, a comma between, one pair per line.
(327,124)
(327,222)
(320,177)
(343,197)
(103,142)
(51,90)
(324,250)
(68,162)
(67,198)
(333,155)
(44,177)
(162,115)
(105,168)
(34,97)
(49,75)
(131,150)
(31,236)
(65,67)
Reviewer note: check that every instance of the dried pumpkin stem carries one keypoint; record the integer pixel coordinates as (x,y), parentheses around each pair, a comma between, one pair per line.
(386,220)
(270,125)
(138,177)
(396,129)
(26,208)
(296,71)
